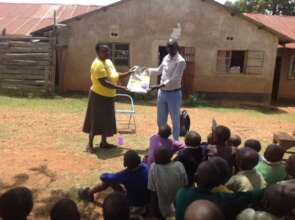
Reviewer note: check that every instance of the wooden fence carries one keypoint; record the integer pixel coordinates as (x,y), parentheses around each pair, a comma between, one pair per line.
(27,64)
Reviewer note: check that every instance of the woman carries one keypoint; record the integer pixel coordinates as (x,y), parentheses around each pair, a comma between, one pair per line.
(100,115)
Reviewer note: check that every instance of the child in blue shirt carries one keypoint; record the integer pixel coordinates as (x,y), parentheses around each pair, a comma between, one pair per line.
(134,178)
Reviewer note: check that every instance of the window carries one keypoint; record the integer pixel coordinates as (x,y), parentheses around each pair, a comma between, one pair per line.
(255,62)
(119,53)
(240,61)
(230,61)
(292,68)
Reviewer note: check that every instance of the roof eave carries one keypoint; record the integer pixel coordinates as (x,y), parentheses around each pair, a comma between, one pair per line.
(282,38)
(79,17)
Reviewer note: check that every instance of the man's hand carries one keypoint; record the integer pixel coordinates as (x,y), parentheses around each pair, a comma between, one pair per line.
(156,87)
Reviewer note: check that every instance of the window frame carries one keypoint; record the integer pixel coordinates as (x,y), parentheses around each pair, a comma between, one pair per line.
(244,71)
(291,67)
(112,46)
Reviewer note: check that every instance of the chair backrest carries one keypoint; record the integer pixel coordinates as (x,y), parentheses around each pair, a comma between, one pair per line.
(128,98)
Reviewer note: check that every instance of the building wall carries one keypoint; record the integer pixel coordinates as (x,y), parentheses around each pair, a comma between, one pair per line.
(147,24)
(287,86)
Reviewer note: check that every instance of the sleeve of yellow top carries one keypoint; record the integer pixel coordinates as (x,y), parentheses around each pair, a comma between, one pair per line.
(100,72)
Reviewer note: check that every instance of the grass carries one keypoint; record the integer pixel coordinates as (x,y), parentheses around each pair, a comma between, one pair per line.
(68,137)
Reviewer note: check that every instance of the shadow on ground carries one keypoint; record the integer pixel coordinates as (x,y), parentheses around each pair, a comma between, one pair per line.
(44,197)
(105,154)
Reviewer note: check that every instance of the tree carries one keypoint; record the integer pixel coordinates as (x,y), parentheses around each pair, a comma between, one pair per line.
(273,7)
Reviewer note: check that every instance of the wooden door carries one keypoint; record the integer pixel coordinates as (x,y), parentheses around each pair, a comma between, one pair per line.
(188,76)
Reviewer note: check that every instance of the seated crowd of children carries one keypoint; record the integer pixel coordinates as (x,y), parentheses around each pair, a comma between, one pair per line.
(219,179)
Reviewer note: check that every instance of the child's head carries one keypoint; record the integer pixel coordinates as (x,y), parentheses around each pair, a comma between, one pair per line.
(224,170)
(16,204)
(279,199)
(65,209)
(246,158)
(274,153)
(192,139)
(253,144)
(131,159)
(203,210)
(235,140)
(209,175)
(163,155)
(115,207)
(221,135)
(290,166)
(165,131)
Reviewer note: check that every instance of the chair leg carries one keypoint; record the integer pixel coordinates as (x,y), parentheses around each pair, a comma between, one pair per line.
(129,123)
(134,122)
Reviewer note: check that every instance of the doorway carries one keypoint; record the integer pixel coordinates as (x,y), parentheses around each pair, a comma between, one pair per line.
(188,76)
(276,80)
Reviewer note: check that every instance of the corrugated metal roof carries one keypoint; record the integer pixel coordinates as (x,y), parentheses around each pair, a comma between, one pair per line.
(22,19)
(281,24)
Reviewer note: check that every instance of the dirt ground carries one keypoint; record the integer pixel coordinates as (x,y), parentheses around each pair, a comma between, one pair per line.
(43,149)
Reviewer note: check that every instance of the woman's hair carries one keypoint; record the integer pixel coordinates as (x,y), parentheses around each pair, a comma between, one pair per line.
(99,47)
(16,204)
(65,209)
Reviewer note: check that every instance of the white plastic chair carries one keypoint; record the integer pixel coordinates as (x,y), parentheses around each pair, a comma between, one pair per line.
(129,112)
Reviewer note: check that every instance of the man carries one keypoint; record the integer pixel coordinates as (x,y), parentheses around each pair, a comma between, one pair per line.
(169,93)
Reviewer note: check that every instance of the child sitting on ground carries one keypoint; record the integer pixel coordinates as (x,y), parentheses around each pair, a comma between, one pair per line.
(207,177)
(247,178)
(278,203)
(16,204)
(115,207)
(272,167)
(253,144)
(224,172)
(221,136)
(134,178)
(165,178)
(203,210)
(65,209)
(162,139)
(192,155)
(235,141)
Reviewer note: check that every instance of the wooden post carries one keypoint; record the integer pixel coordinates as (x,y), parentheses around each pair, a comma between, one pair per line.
(53,42)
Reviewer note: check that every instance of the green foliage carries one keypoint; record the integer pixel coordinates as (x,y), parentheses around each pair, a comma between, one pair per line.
(273,7)
(195,100)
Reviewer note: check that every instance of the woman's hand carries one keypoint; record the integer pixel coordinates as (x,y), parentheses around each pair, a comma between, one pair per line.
(123,89)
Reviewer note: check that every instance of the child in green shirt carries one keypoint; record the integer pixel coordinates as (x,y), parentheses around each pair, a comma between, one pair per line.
(247,178)
(208,176)
(272,166)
